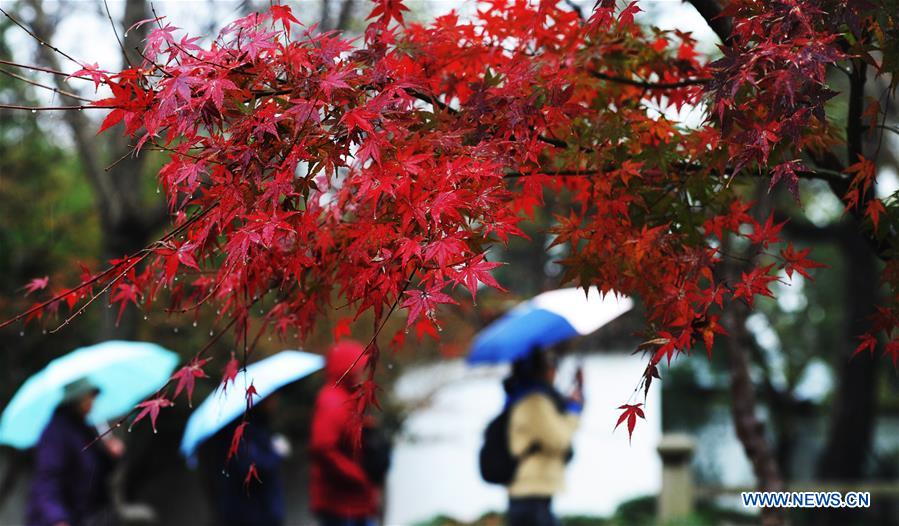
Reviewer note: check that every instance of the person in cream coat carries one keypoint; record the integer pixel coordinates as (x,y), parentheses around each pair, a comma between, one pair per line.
(541,426)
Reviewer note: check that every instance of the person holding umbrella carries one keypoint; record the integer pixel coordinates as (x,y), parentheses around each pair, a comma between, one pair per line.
(541,425)
(69,487)
(56,410)
(237,501)
(528,444)
(243,477)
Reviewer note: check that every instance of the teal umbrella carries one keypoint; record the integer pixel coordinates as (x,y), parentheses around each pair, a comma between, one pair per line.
(224,406)
(125,372)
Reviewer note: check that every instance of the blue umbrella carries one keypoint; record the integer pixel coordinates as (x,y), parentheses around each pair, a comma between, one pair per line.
(546,319)
(223,406)
(125,372)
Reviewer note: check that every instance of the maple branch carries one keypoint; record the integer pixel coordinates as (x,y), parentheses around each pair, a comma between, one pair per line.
(57,297)
(106,287)
(432,100)
(378,330)
(164,387)
(145,251)
(552,173)
(647,84)
(44,86)
(43,70)
(889,128)
(54,108)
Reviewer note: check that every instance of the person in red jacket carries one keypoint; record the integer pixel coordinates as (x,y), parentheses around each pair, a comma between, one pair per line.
(341,493)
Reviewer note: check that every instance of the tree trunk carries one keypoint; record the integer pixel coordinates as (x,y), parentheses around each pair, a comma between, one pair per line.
(750,430)
(849,441)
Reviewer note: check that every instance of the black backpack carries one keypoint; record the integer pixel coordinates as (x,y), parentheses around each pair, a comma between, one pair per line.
(376,453)
(497,463)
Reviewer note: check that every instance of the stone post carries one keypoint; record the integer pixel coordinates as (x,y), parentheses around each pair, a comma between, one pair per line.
(677,495)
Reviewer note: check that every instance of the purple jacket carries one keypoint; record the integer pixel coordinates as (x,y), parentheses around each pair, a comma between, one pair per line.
(69,482)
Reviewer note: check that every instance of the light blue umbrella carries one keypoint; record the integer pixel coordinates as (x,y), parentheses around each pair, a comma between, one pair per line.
(224,405)
(544,320)
(125,372)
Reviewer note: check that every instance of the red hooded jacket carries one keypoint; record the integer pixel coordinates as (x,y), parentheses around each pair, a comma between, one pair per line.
(338,484)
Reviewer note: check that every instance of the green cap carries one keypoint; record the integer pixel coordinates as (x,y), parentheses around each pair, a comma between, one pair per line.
(78,389)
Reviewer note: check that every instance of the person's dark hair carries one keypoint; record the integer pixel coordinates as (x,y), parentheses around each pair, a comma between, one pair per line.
(530,370)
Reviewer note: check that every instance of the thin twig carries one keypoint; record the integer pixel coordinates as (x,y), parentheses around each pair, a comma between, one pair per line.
(116,33)
(39,39)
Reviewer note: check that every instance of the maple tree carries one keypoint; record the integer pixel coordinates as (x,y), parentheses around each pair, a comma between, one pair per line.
(306,170)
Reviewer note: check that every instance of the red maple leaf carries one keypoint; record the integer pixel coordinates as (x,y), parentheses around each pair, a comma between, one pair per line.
(874,210)
(767,233)
(251,392)
(230,373)
(97,75)
(187,376)
(421,302)
(626,16)
(252,474)
(869,342)
(478,271)
(36,284)
(797,261)
(342,328)
(630,413)
(709,330)
(235,440)
(387,10)
(892,350)
(124,294)
(151,407)
(754,282)
(283,14)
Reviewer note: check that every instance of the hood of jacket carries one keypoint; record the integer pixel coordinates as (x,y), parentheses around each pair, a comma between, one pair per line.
(340,358)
